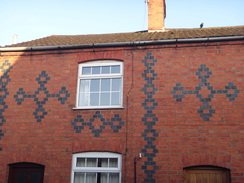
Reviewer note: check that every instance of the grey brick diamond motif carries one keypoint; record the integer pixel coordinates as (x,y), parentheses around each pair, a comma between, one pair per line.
(115,123)
(206,110)
(41,96)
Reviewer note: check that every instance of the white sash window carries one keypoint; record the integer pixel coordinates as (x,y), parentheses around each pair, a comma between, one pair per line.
(100,84)
(96,167)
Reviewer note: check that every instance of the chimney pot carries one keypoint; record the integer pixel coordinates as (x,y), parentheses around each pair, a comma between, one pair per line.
(15,39)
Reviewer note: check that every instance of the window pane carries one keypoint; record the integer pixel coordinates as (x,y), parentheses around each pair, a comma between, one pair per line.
(116,84)
(80,162)
(96,70)
(106,70)
(95,85)
(105,98)
(83,99)
(116,98)
(104,177)
(113,162)
(84,85)
(79,177)
(114,178)
(105,84)
(104,162)
(35,177)
(91,162)
(94,99)
(86,70)
(90,177)
(115,69)
(21,177)
(84,93)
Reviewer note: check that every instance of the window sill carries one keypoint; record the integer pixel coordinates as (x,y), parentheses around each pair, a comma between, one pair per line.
(100,107)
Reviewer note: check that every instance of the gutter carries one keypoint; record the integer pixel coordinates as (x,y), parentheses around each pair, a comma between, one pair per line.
(118,44)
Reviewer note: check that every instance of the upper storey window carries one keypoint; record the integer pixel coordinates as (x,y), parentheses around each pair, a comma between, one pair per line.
(100,84)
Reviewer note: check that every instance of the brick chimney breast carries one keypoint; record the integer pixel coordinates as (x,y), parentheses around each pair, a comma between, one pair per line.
(156,15)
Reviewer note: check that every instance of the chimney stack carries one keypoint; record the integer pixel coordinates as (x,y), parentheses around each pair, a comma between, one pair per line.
(156,15)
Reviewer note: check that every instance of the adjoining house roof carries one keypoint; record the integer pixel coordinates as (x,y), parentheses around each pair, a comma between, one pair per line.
(57,40)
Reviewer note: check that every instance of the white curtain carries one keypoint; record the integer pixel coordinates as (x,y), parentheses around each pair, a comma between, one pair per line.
(80,162)
(113,178)
(109,177)
(91,162)
(104,162)
(104,177)
(84,92)
(113,162)
(79,177)
(90,178)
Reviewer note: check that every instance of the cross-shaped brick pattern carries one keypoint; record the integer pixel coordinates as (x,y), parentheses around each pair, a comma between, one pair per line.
(206,110)
(41,96)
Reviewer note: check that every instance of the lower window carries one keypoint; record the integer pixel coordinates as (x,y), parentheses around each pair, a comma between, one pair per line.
(96,167)
(26,173)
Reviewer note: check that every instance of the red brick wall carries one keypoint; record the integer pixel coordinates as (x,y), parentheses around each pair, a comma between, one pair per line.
(183,106)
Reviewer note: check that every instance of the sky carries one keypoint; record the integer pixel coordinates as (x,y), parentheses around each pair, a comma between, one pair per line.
(34,19)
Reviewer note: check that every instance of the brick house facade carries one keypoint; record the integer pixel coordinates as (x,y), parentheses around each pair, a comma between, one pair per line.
(175,106)
(182,106)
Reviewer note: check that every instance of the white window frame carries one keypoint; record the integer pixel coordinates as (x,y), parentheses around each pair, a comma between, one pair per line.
(99,76)
(96,169)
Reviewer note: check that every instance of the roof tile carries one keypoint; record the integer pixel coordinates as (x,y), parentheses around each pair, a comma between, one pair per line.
(58,40)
